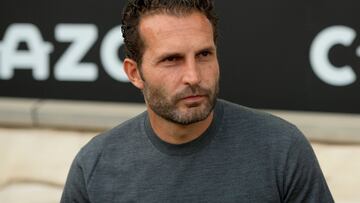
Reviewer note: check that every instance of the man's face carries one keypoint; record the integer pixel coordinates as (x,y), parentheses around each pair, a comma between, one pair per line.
(179,66)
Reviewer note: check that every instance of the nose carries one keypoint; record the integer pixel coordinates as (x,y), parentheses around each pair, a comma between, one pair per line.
(191,74)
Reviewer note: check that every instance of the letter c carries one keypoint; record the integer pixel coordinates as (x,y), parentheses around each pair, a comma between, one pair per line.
(319,59)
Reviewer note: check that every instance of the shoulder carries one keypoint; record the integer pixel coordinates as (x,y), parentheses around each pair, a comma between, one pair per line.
(238,113)
(259,125)
(91,153)
(265,136)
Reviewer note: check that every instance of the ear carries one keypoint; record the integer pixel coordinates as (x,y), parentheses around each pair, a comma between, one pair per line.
(132,71)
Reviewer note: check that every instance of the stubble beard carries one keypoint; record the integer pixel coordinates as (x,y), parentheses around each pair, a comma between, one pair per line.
(157,99)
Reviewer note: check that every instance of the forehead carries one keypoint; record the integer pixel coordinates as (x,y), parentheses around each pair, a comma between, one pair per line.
(164,20)
(162,28)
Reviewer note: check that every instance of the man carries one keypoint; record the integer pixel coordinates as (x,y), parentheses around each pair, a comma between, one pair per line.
(189,146)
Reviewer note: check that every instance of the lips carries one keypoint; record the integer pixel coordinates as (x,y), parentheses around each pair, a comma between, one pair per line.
(193,96)
(193,100)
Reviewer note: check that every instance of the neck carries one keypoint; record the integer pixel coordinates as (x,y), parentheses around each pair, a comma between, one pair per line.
(174,133)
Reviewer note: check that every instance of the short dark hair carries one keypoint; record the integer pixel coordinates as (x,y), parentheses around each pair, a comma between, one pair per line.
(136,9)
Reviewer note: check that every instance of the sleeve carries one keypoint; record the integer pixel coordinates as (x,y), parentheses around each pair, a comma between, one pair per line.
(304,180)
(75,186)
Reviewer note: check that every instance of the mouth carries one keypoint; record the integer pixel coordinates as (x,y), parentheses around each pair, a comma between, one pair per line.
(193,100)
(193,96)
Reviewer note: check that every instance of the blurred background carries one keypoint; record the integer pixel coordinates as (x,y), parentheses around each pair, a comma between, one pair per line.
(61,82)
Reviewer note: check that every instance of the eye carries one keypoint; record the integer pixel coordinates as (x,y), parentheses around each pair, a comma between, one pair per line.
(171,59)
(204,55)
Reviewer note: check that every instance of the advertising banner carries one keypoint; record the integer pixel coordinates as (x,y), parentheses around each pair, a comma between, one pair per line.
(298,55)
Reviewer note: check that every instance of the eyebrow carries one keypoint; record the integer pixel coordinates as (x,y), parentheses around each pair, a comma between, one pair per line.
(167,55)
(209,49)
(179,55)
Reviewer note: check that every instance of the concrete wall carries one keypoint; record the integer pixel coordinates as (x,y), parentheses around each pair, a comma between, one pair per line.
(317,126)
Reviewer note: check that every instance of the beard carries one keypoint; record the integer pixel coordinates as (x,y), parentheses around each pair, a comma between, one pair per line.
(158,100)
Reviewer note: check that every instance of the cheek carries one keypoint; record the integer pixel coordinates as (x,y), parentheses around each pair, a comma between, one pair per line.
(164,84)
(212,74)
(216,71)
(169,79)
